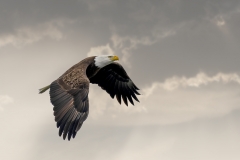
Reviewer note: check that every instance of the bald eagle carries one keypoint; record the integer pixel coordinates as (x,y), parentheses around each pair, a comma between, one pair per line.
(69,93)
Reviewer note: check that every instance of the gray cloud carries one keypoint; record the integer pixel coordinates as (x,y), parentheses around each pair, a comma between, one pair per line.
(172,49)
(26,36)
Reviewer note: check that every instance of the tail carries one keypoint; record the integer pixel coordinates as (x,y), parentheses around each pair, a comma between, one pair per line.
(42,90)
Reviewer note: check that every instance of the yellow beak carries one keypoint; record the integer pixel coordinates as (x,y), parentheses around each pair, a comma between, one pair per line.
(114,58)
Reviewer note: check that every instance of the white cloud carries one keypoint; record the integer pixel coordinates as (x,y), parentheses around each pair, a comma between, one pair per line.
(183,99)
(4,100)
(28,35)
(126,43)
(176,100)
(219,21)
(101,50)
(200,79)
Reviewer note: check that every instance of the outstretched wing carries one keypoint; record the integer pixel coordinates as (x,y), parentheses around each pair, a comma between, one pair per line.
(69,96)
(114,79)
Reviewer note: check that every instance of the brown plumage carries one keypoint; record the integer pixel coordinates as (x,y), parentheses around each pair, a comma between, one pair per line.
(69,93)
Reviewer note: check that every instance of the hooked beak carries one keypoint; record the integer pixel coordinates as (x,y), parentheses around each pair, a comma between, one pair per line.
(114,58)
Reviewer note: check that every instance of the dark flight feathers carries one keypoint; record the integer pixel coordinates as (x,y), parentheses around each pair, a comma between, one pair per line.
(114,79)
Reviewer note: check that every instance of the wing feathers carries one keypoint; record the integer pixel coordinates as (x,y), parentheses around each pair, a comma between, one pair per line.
(114,79)
(132,94)
(128,93)
(69,106)
(118,96)
(64,121)
(136,92)
(123,91)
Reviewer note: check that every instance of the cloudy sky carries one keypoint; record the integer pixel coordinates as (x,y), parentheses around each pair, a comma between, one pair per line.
(182,54)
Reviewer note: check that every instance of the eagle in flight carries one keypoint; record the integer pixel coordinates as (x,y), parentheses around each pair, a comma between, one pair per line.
(69,93)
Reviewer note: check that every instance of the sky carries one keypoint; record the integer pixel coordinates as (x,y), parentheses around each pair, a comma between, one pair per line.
(182,54)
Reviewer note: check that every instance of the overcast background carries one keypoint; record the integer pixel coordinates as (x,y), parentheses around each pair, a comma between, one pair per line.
(182,54)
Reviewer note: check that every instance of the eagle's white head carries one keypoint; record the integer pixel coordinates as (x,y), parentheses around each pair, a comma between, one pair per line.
(103,60)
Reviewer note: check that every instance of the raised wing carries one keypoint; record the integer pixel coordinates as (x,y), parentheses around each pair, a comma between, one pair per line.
(114,79)
(69,96)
